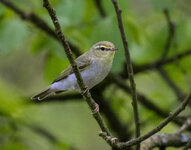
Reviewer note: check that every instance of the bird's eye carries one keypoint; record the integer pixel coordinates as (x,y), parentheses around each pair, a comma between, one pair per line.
(102,48)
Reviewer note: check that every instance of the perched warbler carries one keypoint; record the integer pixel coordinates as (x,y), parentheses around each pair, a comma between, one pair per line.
(94,66)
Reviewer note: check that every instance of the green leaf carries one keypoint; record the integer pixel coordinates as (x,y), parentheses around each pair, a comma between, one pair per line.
(10,99)
(13,35)
(54,66)
(162,4)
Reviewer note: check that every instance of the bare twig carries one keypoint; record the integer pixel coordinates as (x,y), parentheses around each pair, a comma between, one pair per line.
(186,125)
(158,63)
(36,21)
(145,101)
(100,8)
(171,31)
(171,84)
(141,98)
(86,95)
(122,130)
(129,68)
(163,73)
(165,140)
(188,145)
(149,134)
(117,126)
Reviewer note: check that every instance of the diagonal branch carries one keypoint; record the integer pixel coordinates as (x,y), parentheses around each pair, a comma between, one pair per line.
(121,130)
(171,32)
(185,126)
(169,40)
(36,21)
(135,141)
(145,101)
(188,145)
(176,139)
(177,91)
(165,140)
(86,93)
(129,68)
(158,63)
(100,8)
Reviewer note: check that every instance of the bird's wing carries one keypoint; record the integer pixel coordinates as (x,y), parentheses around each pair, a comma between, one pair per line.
(83,62)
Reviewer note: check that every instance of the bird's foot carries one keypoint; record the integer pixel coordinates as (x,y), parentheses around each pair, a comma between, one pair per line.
(96,110)
(85,91)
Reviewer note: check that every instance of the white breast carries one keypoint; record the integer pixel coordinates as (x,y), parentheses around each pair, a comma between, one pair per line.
(91,77)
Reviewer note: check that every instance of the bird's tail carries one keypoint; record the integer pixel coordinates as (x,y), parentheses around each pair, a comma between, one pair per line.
(44,94)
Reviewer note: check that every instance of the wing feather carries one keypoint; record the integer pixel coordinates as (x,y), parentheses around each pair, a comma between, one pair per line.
(83,62)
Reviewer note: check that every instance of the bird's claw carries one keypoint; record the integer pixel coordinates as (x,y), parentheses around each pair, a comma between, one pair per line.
(96,110)
(86,90)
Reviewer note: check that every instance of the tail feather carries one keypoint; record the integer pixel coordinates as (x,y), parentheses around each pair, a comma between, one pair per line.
(44,94)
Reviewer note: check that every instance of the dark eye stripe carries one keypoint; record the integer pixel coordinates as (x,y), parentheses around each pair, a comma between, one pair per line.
(102,48)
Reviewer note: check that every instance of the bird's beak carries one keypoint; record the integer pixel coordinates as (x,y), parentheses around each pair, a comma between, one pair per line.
(114,49)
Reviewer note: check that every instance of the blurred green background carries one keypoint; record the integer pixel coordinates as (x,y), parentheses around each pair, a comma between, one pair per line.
(30,60)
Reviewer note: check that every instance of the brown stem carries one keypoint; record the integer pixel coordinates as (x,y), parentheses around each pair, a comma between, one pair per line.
(61,37)
(129,69)
(171,32)
(135,141)
(165,140)
(100,8)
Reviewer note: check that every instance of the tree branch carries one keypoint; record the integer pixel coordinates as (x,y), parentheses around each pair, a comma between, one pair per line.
(86,93)
(165,140)
(171,32)
(100,8)
(185,126)
(135,141)
(177,91)
(176,139)
(141,98)
(188,145)
(119,128)
(158,63)
(145,101)
(129,69)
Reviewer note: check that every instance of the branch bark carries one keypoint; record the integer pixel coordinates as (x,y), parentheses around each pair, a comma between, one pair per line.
(129,69)
(86,94)
(158,63)
(171,32)
(135,141)
(100,8)
(165,140)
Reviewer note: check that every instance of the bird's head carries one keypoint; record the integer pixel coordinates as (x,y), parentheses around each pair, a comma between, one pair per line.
(104,49)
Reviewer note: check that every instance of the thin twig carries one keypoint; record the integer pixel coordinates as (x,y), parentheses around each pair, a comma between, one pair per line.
(185,126)
(177,91)
(165,140)
(121,130)
(171,32)
(169,40)
(188,145)
(145,101)
(37,22)
(86,93)
(100,8)
(141,98)
(135,141)
(158,63)
(129,68)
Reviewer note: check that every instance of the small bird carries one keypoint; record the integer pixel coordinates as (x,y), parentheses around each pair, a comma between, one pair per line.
(94,66)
